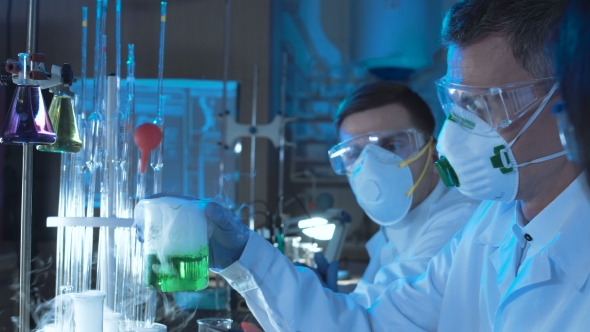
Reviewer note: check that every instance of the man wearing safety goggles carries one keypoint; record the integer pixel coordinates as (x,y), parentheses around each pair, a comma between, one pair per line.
(480,120)
(522,262)
(387,153)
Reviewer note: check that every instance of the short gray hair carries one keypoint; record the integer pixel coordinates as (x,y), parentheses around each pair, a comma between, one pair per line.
(530,26)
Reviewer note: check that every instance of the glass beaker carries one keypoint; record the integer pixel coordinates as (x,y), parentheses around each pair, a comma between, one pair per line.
(88,311)
(176,251)
(218,324)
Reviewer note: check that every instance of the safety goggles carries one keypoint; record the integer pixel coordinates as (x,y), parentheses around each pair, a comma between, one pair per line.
(497,106)
(567,133)
(404,143)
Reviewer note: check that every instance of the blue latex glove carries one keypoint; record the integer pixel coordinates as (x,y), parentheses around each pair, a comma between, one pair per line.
(326,272)
(228,237)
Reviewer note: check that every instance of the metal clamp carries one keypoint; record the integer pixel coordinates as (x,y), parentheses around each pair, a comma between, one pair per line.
(272,131)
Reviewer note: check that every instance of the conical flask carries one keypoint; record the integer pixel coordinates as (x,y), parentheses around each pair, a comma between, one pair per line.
(63,118)
(27,120)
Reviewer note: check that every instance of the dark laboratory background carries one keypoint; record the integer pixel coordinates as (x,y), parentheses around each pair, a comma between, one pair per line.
(320,49)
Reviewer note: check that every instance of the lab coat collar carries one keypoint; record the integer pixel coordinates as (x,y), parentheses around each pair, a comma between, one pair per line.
(401,234)
(570,246)
(376,241)
(501,220)
(559,235)
(564,244)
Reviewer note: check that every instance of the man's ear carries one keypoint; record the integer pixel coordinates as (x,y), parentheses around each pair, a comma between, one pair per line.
(434,152)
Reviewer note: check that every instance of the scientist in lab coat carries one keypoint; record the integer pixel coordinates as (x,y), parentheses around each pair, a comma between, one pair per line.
(522,262)
(387,152)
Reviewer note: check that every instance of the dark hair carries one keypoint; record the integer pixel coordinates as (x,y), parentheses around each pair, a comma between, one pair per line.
(530,27)
(573,71)
(377,94)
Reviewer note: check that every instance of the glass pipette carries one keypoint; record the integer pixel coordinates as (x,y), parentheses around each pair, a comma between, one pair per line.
(95,129)
(127,153)
(82,108)
(103,155)
(119,126)
(157,158)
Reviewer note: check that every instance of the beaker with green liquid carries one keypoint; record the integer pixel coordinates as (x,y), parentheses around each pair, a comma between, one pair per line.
(176,252)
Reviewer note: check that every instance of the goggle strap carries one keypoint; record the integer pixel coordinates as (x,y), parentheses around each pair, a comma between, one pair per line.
(522,98)
(540,160)
(535,115)
(429,148)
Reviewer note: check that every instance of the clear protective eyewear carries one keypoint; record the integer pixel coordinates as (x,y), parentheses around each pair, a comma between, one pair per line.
(567,133)
(497,106)
(404,143)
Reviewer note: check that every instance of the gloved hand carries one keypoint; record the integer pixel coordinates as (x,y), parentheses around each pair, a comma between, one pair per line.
(326,272)
(228,236)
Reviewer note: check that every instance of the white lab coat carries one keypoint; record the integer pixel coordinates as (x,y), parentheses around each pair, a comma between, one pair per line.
(406,247)
(471,285)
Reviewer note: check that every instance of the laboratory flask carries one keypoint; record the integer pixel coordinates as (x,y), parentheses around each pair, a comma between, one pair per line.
(176,252)
(27,120)
(63,118)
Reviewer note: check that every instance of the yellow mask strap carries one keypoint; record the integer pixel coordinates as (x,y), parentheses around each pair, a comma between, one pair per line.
(427,147)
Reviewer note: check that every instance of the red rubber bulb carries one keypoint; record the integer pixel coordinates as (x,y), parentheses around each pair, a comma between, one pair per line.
(147,137)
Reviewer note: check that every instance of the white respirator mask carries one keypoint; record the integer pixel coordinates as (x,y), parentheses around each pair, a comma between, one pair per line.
(383,185)
(478,161)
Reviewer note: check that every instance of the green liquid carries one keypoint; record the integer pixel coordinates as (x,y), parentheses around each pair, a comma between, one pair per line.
(63,119)
(181,273)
